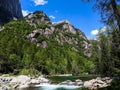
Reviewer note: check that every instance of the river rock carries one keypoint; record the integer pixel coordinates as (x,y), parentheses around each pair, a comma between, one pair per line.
(16,86)
(79,82)
(87,84)
(67,82)
(20,79)
(94,84)
(20,82)
(43,80)
(99,78)
(22,86)
(5,87)
(34,82)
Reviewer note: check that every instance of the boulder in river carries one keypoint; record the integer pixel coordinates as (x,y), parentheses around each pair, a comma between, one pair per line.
(94,84)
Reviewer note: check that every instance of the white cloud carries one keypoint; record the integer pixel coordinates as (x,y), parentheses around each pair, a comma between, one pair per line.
(94,32)
(25,12)
(102,30)
(99,31)
(52,17)
(40,2)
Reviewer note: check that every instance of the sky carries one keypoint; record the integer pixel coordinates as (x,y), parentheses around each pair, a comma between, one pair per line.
(78,13)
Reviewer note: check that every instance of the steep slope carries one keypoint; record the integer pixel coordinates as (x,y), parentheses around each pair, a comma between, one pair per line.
(51,48)
(62,32)
(9,9)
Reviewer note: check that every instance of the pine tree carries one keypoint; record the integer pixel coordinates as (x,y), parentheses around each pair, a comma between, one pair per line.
(110,16)
(105,63)
(115,52)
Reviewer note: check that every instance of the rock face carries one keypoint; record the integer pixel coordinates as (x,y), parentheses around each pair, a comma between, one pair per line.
(62,32)
(9,9)
(37,18)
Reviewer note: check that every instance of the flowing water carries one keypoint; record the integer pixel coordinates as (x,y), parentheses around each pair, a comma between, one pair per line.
(59,79)
(53,87)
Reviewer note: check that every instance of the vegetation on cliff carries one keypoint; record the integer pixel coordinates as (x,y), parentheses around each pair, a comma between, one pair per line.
(18,53)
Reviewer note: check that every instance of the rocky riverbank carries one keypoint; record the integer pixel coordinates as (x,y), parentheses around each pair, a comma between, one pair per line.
(97,83)
(23,81)
(20,82)
(93,84)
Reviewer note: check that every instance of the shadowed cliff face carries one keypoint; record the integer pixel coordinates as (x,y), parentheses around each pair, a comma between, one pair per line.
(9,9)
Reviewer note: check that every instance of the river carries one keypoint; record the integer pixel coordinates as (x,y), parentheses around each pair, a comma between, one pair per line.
(54,87)
(59,79)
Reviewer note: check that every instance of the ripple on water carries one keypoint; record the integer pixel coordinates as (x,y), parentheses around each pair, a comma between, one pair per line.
(54,87)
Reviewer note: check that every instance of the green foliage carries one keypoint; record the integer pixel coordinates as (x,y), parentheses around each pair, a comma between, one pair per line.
(31,72)
(108,58)
(106,53)
(105,62)
(41,38)
(18,55)
(43,26)
(115,52)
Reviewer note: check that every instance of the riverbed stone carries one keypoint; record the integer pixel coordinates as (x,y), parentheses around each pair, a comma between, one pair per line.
(24,81)
(79,82)
(43,80)
(20,79)
(34,82)
(94,84)
(21,86)
(5,87)
(87,84)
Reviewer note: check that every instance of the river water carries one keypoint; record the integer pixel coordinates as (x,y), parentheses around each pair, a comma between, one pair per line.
(59,79)
(54,87)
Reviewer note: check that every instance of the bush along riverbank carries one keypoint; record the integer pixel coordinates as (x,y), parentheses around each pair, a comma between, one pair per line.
(24,81)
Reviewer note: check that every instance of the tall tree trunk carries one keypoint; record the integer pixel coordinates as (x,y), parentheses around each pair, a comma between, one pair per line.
(116,12)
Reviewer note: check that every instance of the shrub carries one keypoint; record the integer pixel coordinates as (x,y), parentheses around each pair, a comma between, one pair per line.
(31,72)
(42,26)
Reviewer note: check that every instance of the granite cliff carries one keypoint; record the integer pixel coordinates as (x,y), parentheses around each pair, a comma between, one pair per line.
(9,10)
(62,32)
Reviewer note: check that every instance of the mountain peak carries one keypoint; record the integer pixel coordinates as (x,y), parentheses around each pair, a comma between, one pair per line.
(36,18)
(61,22)
(66,26)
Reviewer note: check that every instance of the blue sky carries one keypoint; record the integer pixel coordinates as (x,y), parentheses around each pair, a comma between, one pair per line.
(79,13)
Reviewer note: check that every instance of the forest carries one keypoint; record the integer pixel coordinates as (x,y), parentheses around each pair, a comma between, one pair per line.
(19,56)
